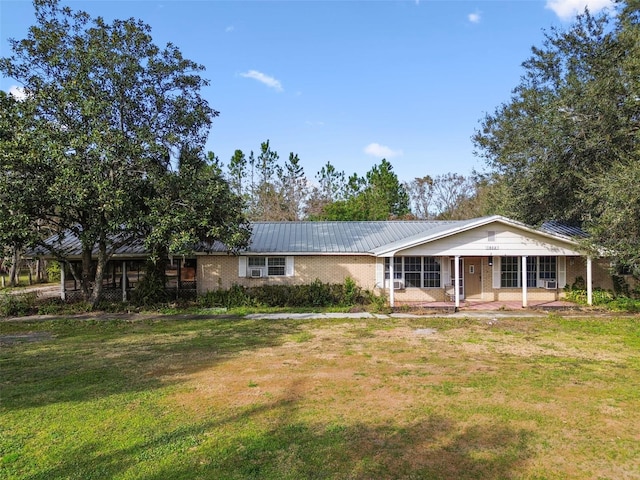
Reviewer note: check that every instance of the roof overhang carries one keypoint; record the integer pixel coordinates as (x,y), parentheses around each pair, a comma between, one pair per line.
(393,248)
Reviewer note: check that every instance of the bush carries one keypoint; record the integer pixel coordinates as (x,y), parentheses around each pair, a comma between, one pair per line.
(625,304)
(150,289)
(236,296)
(315,294)
(13,305)
(53,271)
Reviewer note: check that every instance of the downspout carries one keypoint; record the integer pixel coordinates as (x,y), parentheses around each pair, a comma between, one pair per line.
(524,281)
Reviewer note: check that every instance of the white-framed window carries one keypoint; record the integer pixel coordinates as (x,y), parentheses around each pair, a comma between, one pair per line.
(415,272)
(539,269)
(276,266)
(266,266)
(510,272)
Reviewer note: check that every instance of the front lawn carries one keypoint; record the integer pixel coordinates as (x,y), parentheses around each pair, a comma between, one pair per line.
(166,397)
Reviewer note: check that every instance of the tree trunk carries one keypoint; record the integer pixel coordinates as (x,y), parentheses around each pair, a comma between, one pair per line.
(14,268)
(39,271)
(100,270)
(86,278)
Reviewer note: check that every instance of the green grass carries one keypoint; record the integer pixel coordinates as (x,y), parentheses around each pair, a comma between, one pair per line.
(232,398)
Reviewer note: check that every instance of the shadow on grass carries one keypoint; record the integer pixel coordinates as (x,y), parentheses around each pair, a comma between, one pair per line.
(87,360)
(433,448)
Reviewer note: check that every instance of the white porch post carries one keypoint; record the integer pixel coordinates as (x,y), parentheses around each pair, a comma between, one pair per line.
(589,282)
(391,279)
(124,281)
(63,294)
(524,281)
(456,280)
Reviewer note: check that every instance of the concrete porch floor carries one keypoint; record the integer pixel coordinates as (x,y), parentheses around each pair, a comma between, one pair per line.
(478,305)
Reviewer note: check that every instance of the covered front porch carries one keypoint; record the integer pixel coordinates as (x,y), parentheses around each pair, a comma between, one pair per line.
(485,282)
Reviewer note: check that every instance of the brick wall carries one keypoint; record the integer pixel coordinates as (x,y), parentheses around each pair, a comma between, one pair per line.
(221,271)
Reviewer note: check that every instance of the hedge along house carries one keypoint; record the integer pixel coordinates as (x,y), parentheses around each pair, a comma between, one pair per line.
(412,262)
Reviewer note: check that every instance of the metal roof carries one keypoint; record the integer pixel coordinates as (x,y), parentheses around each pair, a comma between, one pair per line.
(335,237)
(68,245)
(367,237)
(558,228)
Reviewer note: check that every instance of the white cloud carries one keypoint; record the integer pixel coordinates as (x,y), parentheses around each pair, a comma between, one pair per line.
(262,78)
(567,9)
(474,17)
(17,92)
(230,28)
(381,151)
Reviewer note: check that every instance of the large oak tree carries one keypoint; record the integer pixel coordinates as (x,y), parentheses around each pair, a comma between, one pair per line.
(567,145)
(112,112)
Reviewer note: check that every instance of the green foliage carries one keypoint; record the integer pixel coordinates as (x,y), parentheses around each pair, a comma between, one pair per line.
(621,299)
(236,296)
(18,304)
(17,193)
(315,294)
(150,290)
(53,271)
(56,306)
(376,196)
(352,293)
(130,110)
(567,144)
(600,296)
(191,205)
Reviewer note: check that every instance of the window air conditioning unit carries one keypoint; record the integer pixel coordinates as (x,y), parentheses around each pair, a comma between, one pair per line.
(255,273)
(551,284)
(398,285)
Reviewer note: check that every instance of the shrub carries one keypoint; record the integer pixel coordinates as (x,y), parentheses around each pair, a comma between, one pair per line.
(315,294)
(53,271)
(13,305)
(236,296)
(352,293)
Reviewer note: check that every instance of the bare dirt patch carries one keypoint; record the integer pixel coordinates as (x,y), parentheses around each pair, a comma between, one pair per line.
(25,337)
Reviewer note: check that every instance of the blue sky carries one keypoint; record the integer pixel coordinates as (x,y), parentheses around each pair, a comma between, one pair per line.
(346,82)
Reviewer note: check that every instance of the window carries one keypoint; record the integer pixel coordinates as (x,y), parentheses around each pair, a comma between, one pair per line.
(416,272)
(532,272)
(270,266)
(431,272)
(276,266)
(397,268)
(548,268)
(412,270)
(256,262)
(538,270)
(509,272)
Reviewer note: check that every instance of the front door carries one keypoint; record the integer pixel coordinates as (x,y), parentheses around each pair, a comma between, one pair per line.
(473,277)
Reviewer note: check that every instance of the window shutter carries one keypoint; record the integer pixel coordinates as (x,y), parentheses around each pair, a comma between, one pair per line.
(288,261)
(242,266)
(496,271)
(380,272)
(562,272)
